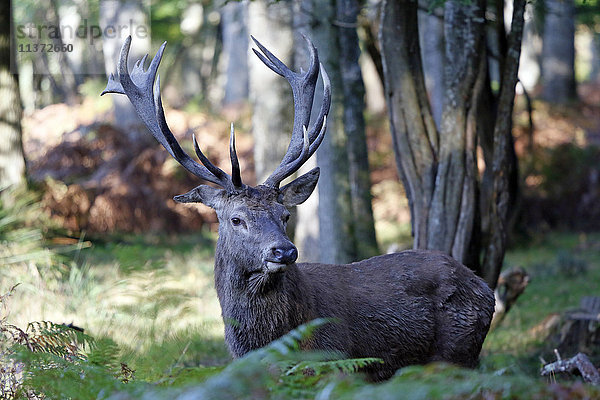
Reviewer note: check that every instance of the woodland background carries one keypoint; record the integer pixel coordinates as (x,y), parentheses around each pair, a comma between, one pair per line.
(92,237)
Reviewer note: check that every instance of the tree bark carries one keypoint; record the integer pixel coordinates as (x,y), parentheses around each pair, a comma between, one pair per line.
(115,13)
(439,167)
(12,160)
(270,95)
(453,204)
(354,126)
(431,39)
(499,205)
(306,231)
(337,242)
(558,52)
(235,48)
(415,137)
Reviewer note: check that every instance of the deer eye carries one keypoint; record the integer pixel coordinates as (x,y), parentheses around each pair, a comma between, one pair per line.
(236,221)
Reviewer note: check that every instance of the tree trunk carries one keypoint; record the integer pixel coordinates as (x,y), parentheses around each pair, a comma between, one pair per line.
(454,202)
(354,126)
(69,80)
(415,137)
(531,49)
(344,230)
(595,50)
(337,242)
(439,168)
(115,13)
(273,115)
(307,229)
(431,38)
(190,76)
(12,161)
(235,48)
(558,52)
(500,201)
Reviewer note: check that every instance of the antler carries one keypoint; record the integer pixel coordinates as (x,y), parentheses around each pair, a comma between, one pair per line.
(138,87)
(303,143)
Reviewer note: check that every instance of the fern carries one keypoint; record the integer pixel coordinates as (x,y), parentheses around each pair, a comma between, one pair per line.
(278,370)
(345,366)
(292,341)
(57,361)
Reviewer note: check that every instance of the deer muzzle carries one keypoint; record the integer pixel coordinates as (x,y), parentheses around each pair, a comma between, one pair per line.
(280,257)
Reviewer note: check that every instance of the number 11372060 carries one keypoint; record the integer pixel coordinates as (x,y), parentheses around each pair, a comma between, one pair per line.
(45,48)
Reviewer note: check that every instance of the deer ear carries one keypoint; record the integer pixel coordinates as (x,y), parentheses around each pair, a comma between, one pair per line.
(297,191)
(204,194)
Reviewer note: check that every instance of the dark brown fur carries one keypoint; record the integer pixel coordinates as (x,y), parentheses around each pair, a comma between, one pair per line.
(407,308)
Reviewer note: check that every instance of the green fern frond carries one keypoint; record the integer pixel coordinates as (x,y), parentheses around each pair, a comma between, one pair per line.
(291,341)
(105,353)
(345,366)
(58,339)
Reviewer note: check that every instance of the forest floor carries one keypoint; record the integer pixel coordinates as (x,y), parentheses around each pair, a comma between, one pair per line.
(153,296)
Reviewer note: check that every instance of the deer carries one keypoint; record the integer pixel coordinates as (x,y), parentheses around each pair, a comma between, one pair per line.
(410,307)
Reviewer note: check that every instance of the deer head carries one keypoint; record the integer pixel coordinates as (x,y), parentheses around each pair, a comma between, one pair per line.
(252,220)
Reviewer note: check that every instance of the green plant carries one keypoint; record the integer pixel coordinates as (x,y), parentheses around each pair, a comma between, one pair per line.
(56,361)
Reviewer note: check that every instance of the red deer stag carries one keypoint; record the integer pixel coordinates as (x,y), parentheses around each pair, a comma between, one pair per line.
(406,308)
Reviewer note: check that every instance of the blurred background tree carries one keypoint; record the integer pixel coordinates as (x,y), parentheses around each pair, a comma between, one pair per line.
(465,201)
(12,160)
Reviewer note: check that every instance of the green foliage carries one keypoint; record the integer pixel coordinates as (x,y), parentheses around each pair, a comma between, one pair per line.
(54,377)
(48,360)
(280,371)
(588,13)
(20,240)
(151,334)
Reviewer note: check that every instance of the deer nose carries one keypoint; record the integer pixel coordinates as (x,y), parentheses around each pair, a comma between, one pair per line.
(284,255)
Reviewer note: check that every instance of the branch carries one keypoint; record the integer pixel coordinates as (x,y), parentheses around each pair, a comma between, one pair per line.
(579,362)
(499,203)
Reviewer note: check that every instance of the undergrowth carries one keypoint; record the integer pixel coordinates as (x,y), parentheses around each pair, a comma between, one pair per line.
(153,327)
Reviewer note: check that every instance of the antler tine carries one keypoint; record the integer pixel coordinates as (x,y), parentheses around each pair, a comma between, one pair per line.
(216,171)
(142,87)
(303,90)
(317,133)
(236,176)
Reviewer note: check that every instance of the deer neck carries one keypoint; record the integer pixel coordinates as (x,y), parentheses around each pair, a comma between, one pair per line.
(254,319)
(233,279)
